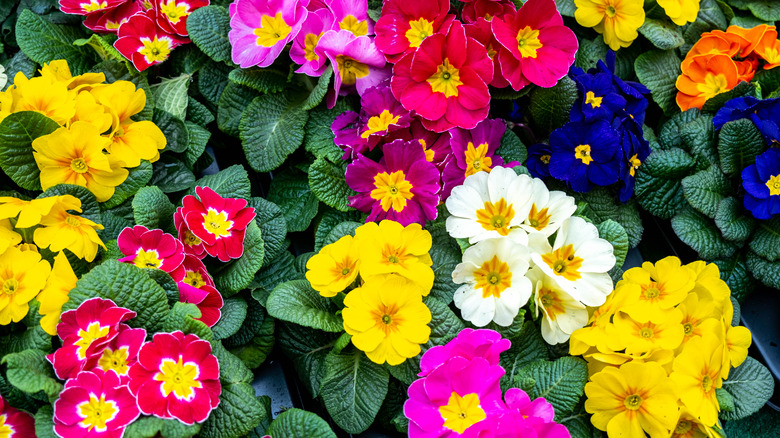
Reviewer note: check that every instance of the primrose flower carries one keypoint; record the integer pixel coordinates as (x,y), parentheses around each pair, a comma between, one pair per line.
(705,77)
(8,237)
(144,43)
(585,154)
(469,344)
(172,14)
(94,404)
(536,48)
(617,20)
(445,83)
(55,293)
(15,422)
(635,150)
(152,249)
(176,376)
(122,352)
(356,62)
(29,213)
(681,12)
(22,275)
(304,50)
(761,181)
(61,230)
(599,98)
(690,427)
(44,95)
(538,162)
(87,7)
(644,337)
(334,267)
(562,313)
(195,273)
(220,223)
(352,15)
(404,25)
(387,319)
(381,114)
(548,209)
(402,187)
(578,261)
(697,373)
(192,244)
(487,10)
(762,112)
(110,20)
(206,298)
(654,289)
(526,417)
(259,30)
(494,284)
(490,205)
(474,151)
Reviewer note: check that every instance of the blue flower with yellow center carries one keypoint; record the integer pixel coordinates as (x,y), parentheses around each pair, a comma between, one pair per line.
(585,154)
(635,150)
(598,98)
(761,181)
(538,162)
(765,114)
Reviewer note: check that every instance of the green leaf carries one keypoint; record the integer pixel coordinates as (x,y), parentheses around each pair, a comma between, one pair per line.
(103,48)
(602,206)
(512,149)
(714,103)
(43,41)
(290,191)
(658,188)
(590,52)
(264,80)
(328,184)
(615,234)
(527,347)
(550,107)
(307,348)
(232,182)
(353,390)
(137,177)
(29,371)
(44,423)
(17,132)
(18,63)
(766,241)
(751,385)
(561,382)
(128,287)
(738,145)
(295,301)
(734,272)
(172,175)
(273,226)
(445,325)
(198,113)
(255,317)
(733,221)
(231,369)
(699,232)
(297,423)
(698,137)
(254,353)
(765,271)
(331,219)
(658,70)
(711,13)
(566,7)
(271,128)
(239,273)
(233,100)
(233,315)
(239,412)
(170,95)
(153,209)
(318,93)
(150,427)
(208,28)
(32,337)
(663,34)
(277,271)
(319,139)
(767,10)
(445,255)
(669,136)
(174,129)
(705,189)
(198,139)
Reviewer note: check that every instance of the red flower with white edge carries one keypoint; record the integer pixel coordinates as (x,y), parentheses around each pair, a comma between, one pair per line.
(85,332)
(219,222)
(172,14)
(487,10)
(192,244)
(15,423)
(86,7)
(94,404)
(482,31)
(152,249)
(122,352)
(110,21)
(195,272)
(207,298)
(144,43)
(176,376)
(404,25)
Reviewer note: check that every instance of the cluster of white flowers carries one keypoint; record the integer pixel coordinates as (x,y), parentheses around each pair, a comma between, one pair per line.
(510,221)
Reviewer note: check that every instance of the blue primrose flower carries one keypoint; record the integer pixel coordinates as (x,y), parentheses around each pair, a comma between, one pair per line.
(635,150)
(599,98)
(765,114)
(538,162)
(762,185)
(584,154)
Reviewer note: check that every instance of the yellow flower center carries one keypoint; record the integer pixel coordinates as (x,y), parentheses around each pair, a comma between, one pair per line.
(191,239)
(610,11)
(10,286)
(634,162)
(552,303)
(351,23)
(79,165)
(380,123)
(147,259)
(446,80)
(460,413)
(179,378)
(496,216)
(419,30)
(392,190)
(394,256)
(476,161)
(350,70)
(563,262)
(309,44)
(217,223)
(528,42)
(114,360)
(683,427)
(97,412)
(94,5)
(646,333)
(6,431)
(491,51)
(174,11)
(271,30)
(633,402)
(538,219)
(493,277)
(713,84)
(706,383)
(344,267)
(652,291)
(93,332)
(72,221)
(688,328)
(387,319)
(194,279)
(582,153)
(774,185)
(545,159)
(593,100)
(155,50)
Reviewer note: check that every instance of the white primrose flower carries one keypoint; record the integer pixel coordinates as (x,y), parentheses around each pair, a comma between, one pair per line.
(562,313)
(489,205)
(578,261)
(548,209)
(494,283)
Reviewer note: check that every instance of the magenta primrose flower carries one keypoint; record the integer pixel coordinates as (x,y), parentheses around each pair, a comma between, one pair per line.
(122,352)
(357,64)
(152,249)
(469,344)
(259,29)
(352,15)
(195,273)
(94,404)
(206,298)
(193,246)
(88,7)
(143,42)
(20,424)
(110,20)
(172,14)
(524,417)
(304,50)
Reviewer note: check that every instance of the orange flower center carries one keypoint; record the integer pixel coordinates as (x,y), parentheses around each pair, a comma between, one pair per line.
(496,216)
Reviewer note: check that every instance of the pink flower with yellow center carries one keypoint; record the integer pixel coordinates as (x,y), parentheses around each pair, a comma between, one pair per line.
(195,273)
(352,15)
(404,25)
(94,404)
(304,48)
(87,7)
(144,43)
(15,423)
(110,20)
(206,298)
(152,249)
(172,14)
(482,31)
(536,48)
(85,332)
(486,10)
(260,29)
(220,223)
(469,344)
(122,352)
(176,376)
(445,81)
(193,246)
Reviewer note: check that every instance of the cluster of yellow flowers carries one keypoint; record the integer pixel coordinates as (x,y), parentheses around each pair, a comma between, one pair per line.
(26,226)
(385,313)
(98,140)
(658,349)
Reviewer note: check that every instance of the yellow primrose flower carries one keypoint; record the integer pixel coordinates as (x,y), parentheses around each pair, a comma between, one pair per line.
(89,110)
(30,212)
(58,71)
(709,284)
(387,319)
(55,294)
(689,427)
(22,275)
(335,267)
(696,375)
(660,287)
(43,95)
(75,156)
(641,337)
(595,333)
(8,237)
(391,248)
(680,11)
(6,103)
(60,230)
(563,315)
(632,400)
(738,340)
(617,20)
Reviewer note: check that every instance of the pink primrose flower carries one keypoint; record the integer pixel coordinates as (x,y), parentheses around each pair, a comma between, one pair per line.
(193,246)
(469,344)
(19,424)
(121,353)
(172,14)
(304,50)
(207,298)
(143,42)
(88,7)
(260,29)
(486,10)
(110,20)
(404,25)
(152,249)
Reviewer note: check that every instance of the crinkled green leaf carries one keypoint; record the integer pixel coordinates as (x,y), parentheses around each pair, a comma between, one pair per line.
(658,188)
(212,82)
(239,273)
(232,182)
(713,104)
(297,423)
(663,34)
(102,48)
(711,13)
(29,371)
(590,52)
(43,41)
(273,225)
(658,71)
(445,325)
(669,135)
(233,313)
(318,139)
(137,177)
(566,7)
(271,128)
(198,139)
(172,175)
(766,241)
(616,235)
(698,138)
(254,353)
(16,397)
(733,221)
(738,145)
(318,92)
(208,28)
(166,282)
(329,219)
(705,189)
(307,348)
(602,205)
(32,335)
(151,427)
(295,301)
(231,368)
(18,63)
(174,129)
(769,80)
(734,272)
(763,270)
(233,100)
(550,107)
(89,205)
(767,10)
(17,132)
(751,385)
(699,232)
(113,224)
(277,271)
(327,182)
(512,148)
(527,347)
(255,317)
(44,423)
(561,382)
(290,191)
(198,113)
(152,209)
(239,412)
(170,95)
(445,255)
(264,80)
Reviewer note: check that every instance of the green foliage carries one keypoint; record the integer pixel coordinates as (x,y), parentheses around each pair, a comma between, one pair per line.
(271,128)
(17,132)
(152,209)
(183,317)
(103,48)
(264,80)
(732,220)
(658,188)
(89,204)
(766,241)
(663,34)
(603,205)
(234,312)
(290,191)
(271,221)
(318,92)
(43,41)
(550,107)
(173,128)
(170,95)
(750,385)
(705,189)
(297,423)
(254,353)
(512,149)
(615,234)
(658,71)
(208,28)
(699,232)
(445,255)
(137,178)
(765,271)
(30,372)
(307,348)
(734,272)
(31,337)
(738,145)
(295,301)
(237,275)
(172,175)
(716,102)
(232,182)
(527,347)
(318,139)
(327,182)
(44,422)
(150,427)
(561,382)
(233,100)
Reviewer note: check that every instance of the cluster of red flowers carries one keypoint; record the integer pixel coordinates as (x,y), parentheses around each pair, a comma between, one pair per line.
(148,30)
